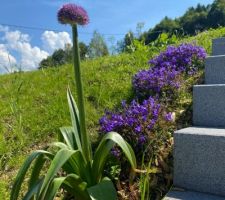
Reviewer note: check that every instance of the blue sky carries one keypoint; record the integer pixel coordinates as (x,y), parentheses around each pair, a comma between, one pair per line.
(27,47)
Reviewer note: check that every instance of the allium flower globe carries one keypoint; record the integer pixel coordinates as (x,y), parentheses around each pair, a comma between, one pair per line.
(72,14)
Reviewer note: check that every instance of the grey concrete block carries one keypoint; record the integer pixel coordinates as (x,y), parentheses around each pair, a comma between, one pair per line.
(199,160)
(218,46)
(190,195)
(215,70)
(209,105)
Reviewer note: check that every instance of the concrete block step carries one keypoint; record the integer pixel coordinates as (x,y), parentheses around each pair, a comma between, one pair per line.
(215,70)
(191,195)
(209,105)
(199,160)
(218,46)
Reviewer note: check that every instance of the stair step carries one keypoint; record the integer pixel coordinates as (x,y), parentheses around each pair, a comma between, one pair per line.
(218,46)
(215,70)
(209,105)
(190,195)
(199,159)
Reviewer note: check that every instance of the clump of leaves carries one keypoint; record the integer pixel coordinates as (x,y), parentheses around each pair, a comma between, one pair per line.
(81,178)
(72,166)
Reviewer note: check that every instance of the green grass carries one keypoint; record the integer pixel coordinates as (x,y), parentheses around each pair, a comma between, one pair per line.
(33,104)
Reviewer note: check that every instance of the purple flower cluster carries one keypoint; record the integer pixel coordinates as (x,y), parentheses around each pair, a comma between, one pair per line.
(184,58)
(167,69)
(140,123)
(72,14)
(152,81)
(134,122)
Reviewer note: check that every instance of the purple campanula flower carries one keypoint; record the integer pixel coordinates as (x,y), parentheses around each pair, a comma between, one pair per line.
(134,122)
(115,152)
(138,129)
(168,116)
(142,139)
(167,68)
(123,103)
(72,14)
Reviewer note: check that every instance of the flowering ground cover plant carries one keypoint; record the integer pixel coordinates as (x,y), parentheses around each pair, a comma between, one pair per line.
(167,71)
(146,126)
(136,122)
(146,123)
(70,163)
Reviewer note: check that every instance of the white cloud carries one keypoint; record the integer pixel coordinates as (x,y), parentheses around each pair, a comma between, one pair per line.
(28,56)
(13,37)
(7,61)
(31,56)
(52,40)
(19,42)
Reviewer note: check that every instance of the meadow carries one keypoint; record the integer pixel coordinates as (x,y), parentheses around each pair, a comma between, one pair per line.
(33,105)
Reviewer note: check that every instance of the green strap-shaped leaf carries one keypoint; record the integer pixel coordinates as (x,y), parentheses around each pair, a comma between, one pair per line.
(74,113)
(102,191)
(75,186)
(104,148)
(57,163)
(74,182)
(33,190)
(60,145)
(53,188)
(38,165)
(22,172)
(68,137)
(100,160)
(76,164)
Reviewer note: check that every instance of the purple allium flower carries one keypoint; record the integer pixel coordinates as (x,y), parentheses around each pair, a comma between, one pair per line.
(72,14)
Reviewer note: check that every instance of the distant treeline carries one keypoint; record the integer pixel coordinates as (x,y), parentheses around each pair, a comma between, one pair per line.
(195,20)
(96,48)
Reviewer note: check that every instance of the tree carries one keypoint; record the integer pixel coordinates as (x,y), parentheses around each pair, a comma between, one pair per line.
(63,56)
(139,28)
(112,45)
(126,45)
(167,25)
(45,63)
(97,46)
(83,50)
(216,15)
(59,57)
(194,20)
(56,59)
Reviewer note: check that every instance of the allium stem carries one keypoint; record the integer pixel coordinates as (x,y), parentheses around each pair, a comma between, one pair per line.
(76,59)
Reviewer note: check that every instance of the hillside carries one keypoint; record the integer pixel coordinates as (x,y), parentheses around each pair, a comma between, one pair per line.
(33,104)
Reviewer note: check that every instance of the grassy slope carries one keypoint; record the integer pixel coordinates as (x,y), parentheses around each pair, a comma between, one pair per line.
(33,105)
